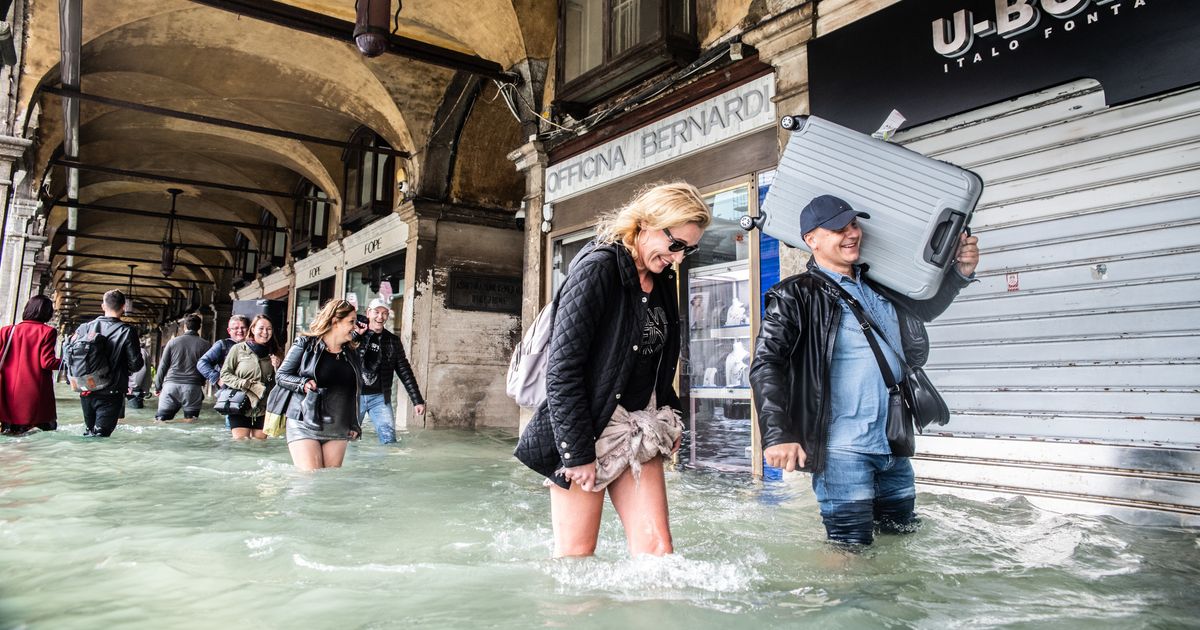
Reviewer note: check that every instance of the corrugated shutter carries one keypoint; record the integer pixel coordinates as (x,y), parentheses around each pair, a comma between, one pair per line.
(1073,366)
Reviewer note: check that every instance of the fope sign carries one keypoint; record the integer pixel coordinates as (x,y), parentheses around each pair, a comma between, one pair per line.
(741,110)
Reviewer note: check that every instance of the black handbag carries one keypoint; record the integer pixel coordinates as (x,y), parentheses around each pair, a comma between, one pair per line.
(231,401)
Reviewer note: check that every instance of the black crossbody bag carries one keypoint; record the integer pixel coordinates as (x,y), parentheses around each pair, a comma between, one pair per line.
(913,402)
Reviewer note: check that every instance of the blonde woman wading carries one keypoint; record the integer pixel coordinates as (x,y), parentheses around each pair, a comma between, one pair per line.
(612,413)
(324,372)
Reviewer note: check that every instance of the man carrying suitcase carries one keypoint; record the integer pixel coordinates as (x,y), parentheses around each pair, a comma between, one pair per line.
(820,394)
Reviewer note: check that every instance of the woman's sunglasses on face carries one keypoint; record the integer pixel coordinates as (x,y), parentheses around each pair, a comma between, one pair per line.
(680,246)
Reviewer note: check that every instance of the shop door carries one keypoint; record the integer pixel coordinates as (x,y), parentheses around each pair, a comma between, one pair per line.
(716,315)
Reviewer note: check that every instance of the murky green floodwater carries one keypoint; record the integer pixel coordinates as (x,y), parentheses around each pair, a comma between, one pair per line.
(174,526)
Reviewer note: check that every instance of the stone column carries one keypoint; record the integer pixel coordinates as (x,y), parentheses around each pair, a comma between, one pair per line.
(783,42)
(531,159)
(13,230)
(417,317)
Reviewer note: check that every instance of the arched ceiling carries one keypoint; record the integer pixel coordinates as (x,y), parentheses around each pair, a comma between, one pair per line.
(187,56)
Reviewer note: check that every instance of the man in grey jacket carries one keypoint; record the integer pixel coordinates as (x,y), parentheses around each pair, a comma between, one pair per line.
(178,383)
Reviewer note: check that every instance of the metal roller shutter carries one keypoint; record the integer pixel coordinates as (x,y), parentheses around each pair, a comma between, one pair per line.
(1073,366)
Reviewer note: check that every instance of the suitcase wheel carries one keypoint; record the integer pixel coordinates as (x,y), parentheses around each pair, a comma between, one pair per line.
(792,123)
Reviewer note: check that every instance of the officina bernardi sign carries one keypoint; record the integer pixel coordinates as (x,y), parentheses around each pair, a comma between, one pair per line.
(732,114)
(930,59)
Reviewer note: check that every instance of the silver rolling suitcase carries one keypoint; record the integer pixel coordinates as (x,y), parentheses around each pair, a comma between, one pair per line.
(918,206)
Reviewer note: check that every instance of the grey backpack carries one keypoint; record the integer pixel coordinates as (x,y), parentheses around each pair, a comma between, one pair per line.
(526,382)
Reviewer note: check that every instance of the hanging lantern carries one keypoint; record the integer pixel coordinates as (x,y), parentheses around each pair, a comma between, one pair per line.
(168,244)
(129,292)
(371,19)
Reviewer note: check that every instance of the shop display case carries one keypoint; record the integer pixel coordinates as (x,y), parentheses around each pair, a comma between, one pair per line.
(716,375)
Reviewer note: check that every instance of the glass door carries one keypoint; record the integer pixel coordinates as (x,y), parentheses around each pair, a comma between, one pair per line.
(716,314)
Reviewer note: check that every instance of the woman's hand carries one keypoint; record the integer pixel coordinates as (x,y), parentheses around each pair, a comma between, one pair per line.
(275,361)
(310,385)
(584,475)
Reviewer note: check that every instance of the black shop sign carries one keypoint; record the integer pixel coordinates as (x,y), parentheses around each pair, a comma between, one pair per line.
(481,292)
(930,59)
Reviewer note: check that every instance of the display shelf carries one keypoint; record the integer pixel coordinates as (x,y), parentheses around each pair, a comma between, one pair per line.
(721,393)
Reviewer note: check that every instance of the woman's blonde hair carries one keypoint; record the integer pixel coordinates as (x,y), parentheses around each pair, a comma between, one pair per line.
(332,311)
(657,206)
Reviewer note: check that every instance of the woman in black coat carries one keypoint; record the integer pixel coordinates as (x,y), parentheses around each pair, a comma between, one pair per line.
(611,413)
(324,372)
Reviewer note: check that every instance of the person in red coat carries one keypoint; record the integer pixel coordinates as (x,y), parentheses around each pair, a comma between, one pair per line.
(26,364)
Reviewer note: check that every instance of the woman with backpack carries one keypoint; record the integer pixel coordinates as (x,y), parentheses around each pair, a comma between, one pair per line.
(27,362)
(611,413)
(324,372)
(250,367)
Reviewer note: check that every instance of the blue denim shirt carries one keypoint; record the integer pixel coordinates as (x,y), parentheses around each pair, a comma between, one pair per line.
(859,397)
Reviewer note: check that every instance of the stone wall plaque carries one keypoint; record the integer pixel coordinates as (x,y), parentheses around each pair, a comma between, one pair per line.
(482,292)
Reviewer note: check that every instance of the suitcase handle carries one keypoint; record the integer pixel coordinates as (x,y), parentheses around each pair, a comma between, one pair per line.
(944,240)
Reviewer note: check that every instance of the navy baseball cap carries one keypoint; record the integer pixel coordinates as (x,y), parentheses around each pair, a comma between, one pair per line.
(828,212)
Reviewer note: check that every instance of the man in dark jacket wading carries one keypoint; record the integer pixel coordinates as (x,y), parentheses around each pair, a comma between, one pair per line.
(382,355)
(104,405)
(821,398)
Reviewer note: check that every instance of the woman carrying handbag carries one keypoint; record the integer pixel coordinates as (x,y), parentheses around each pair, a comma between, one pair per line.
(324,373)
(248,375)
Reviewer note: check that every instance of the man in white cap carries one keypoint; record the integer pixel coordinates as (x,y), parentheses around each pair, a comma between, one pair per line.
(383,356)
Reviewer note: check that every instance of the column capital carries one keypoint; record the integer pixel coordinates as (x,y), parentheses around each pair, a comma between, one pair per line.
(778,38)
(529,155)
(12,147)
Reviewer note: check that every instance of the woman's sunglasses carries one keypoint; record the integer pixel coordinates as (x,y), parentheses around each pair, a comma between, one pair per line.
(679,246)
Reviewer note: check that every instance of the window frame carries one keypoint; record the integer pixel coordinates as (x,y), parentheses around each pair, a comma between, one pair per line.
(358,212)
(666,49)
(304,219)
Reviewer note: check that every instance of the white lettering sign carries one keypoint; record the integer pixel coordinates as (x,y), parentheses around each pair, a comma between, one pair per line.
(954,37)
(739,111)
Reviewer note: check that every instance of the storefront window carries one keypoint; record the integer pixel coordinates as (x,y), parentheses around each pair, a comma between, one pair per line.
(714,379)
(309,300)
(566,248)
(382,279)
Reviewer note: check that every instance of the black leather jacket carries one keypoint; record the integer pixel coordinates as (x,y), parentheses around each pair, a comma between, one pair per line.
(598,322)
(300,366)
(790,370)
(126,357)
(382,356)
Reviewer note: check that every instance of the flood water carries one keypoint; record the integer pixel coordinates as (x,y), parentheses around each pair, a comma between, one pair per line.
(174,526)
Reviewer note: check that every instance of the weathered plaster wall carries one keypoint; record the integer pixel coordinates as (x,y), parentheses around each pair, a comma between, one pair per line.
(469,350)
(482,173)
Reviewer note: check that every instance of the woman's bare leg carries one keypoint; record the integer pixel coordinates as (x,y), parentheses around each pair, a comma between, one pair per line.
(306,454)
(642,506)
(575,516)
(239,433)
(332,453)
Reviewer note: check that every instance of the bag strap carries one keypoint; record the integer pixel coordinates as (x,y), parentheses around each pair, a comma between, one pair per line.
(868,327)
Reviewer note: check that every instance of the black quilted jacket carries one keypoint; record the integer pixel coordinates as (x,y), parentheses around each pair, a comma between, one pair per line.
(597,325)
(790,371)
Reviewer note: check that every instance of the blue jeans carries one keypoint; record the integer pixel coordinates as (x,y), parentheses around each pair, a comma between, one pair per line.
(859,491)
(381,416)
